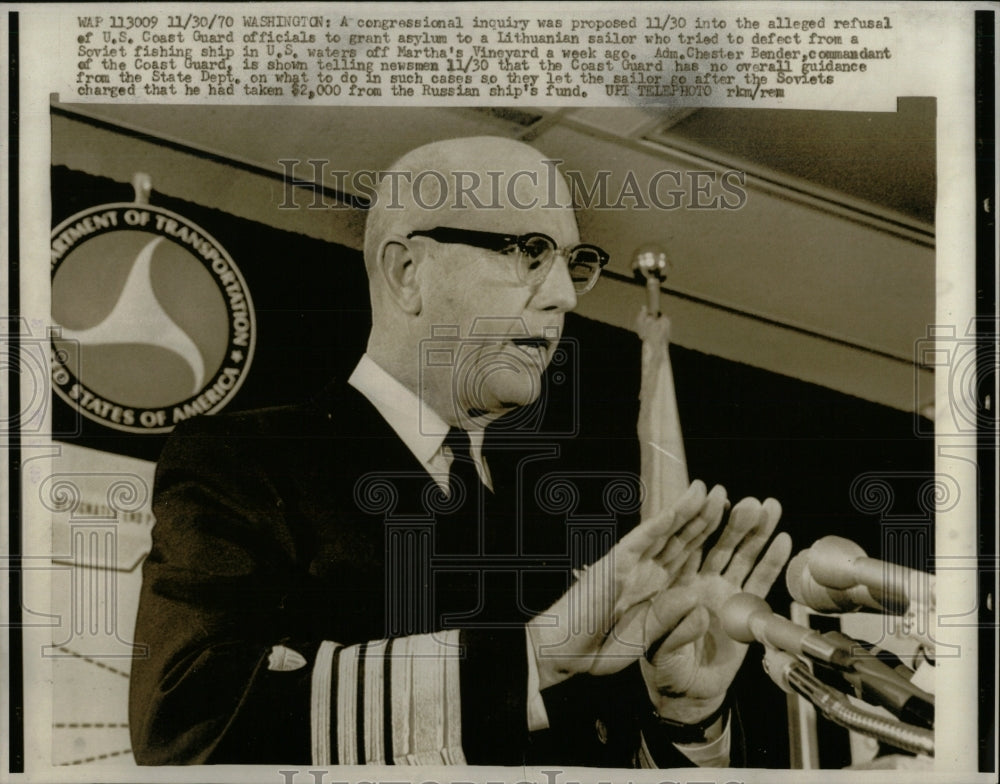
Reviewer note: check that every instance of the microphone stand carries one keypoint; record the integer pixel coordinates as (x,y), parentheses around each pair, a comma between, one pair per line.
(876,682)
(791,674)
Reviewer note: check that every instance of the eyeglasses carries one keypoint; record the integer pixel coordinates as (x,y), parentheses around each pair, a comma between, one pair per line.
(535,253)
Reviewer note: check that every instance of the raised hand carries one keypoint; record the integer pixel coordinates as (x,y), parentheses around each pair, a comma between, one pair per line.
(597,625)
(689,672)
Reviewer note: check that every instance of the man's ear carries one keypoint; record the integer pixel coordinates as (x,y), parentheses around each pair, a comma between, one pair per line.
(398,268)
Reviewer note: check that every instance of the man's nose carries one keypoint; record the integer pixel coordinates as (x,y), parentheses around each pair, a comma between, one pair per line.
(556,292)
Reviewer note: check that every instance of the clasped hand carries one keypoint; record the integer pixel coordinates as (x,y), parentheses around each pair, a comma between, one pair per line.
(654,597)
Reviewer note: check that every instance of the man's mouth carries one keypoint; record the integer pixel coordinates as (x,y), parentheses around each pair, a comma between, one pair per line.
(540,344)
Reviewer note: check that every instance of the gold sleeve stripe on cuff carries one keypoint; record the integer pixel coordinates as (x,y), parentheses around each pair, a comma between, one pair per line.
(347,706)
(433,726)
(388,701)
(374,703)
(400,699)
(320,708)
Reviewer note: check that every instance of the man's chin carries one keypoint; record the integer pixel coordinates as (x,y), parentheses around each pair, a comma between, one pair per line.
(500,399)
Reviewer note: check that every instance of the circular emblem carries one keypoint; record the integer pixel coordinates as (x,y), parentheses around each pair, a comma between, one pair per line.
(154,322)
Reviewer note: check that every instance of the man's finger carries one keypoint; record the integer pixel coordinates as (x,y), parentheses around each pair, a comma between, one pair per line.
(689,504)
(624,644)
(698,528)
(687,508)
(692,627)
(742,519)
(666,610)
(686,572)
(753,543)
(682,541)
(766,572)
(651,535)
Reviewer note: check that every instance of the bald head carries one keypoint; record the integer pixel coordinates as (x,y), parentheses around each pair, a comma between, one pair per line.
(487,183)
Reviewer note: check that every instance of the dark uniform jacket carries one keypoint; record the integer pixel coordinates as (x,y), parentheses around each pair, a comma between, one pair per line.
(310,598)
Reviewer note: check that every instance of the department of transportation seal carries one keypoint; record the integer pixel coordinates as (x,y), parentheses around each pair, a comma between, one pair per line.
(154,322)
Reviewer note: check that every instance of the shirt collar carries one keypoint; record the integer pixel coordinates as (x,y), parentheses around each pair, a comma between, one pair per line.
(417,424)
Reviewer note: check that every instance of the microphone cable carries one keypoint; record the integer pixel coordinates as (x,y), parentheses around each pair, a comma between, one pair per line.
(791,674)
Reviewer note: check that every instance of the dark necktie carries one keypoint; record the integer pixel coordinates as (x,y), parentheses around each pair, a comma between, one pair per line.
(458,536)
(463,479)
(459,514)
(481,527)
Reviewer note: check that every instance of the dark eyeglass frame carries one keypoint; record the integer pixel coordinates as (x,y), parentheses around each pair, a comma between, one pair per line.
(498,242)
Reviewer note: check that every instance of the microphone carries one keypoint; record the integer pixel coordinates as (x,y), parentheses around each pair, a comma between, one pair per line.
(805,589)
(792,676)
(835,575)
(747,617)
(779,665)
(878,683)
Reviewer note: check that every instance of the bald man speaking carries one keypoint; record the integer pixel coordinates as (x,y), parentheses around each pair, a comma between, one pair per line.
(272,605)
